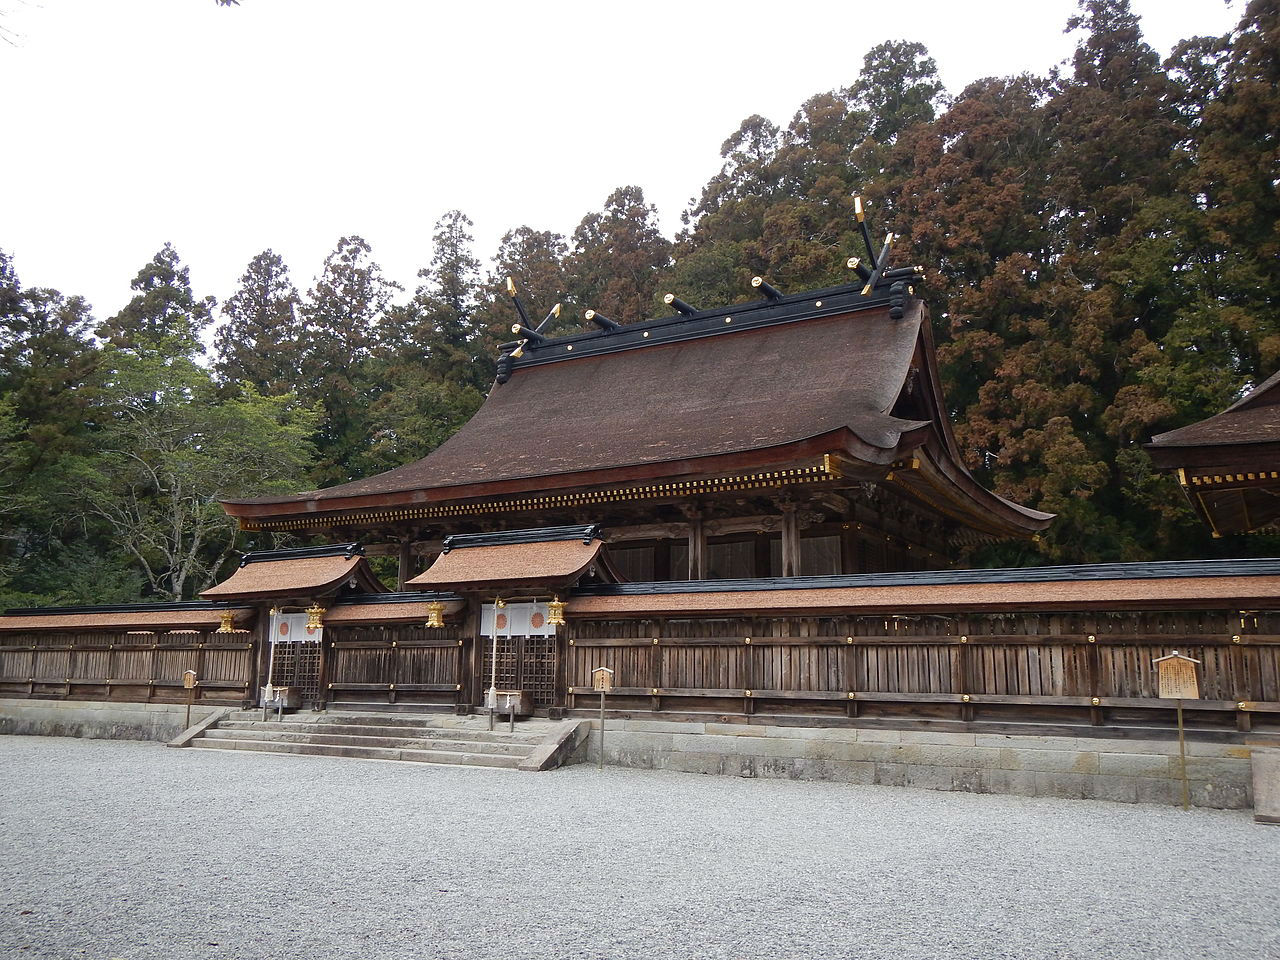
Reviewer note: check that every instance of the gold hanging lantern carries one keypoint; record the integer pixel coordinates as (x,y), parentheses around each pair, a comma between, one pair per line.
(226,626)
(435,613)
(555,613)
(314,613)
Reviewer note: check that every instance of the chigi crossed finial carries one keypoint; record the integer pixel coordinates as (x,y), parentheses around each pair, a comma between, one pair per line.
(874,274)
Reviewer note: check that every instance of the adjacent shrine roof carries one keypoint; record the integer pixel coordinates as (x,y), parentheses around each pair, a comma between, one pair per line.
(1229,464)
(811,378)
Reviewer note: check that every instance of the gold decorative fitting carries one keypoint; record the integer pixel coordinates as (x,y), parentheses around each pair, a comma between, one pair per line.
(1092,639)
(852,695)
(645,335)
(746,693)
(655,639)
(746,639)
(817,303)
(1236,639)
(571,642)
(457,686)
(395,643)
(654,691)
(569,347)
(555,613)
(965,698)
(728,319)
(1096,702)
(225,625)
(315,614)
(848,639)
(964,639)
(1242,705)
(435,613)
(570,690)
(391,686)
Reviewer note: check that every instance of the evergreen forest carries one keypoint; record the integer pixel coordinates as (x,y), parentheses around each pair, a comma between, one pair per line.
(1102,256)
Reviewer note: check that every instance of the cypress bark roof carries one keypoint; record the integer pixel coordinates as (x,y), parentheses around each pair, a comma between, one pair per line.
(304,572)
(1254,418)
(741,387)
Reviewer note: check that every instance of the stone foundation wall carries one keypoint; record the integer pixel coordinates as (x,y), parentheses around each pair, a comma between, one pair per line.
(96,719)
(1128,771)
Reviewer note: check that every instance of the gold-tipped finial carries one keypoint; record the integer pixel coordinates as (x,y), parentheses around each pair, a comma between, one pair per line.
(857,208)
(518,352)
(756,281)
(515,328)
(555,311)
(852,263)
(589,315)
(511,287)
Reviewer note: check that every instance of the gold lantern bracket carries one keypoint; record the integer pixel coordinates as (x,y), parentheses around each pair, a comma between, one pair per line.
(555,612)
(435,613)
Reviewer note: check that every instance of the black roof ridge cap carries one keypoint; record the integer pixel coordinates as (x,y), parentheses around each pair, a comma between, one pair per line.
(586,532)
(420,596)
(878,298)
(349,550)
(165,606)
(1156,570)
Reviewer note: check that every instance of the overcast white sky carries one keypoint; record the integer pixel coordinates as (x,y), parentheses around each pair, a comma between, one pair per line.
(288,123)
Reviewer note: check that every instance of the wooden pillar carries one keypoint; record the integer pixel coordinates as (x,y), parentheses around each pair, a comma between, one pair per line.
(790,541)
(697,549)
(405,573)
(850,547)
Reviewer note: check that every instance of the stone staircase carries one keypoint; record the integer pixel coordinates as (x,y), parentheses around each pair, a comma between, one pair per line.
(463,741)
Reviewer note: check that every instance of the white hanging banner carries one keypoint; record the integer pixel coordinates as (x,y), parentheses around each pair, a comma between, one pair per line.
(515,620)
(292,628)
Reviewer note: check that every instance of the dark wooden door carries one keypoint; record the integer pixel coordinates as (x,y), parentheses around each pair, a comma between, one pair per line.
(524,663)
(297,665)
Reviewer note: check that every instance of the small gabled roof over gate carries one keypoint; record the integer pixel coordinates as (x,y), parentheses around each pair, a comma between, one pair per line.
(554,557)
(298,572)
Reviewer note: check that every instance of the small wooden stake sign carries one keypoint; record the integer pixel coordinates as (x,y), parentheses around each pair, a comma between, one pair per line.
(189,681)
(602,680)
(1176,677)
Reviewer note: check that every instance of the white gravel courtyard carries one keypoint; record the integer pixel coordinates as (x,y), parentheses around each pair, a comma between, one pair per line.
(131,850)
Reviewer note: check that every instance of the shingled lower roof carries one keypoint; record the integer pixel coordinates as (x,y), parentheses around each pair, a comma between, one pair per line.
(281,575)
(555,564)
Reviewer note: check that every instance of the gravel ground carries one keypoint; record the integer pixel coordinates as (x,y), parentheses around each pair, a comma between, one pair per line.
(131,850)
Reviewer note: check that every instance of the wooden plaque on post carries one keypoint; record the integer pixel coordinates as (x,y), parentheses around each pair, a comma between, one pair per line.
(1177,677)
(602,680)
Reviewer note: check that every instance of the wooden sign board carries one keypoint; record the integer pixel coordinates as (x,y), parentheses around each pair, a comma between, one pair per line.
(602,680)
(188,679)
(1177,676)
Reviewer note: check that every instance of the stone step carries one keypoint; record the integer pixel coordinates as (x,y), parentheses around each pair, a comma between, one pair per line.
(442,720)
(364,753)
(360,740)
(384,730)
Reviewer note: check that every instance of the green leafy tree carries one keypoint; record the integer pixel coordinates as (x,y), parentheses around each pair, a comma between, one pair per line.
(618,257)
(341,316)
(169,448)
(260,340)
(163,308)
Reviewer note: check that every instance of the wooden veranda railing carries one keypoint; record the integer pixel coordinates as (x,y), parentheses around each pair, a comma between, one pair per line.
(135,667)
(1049,668)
